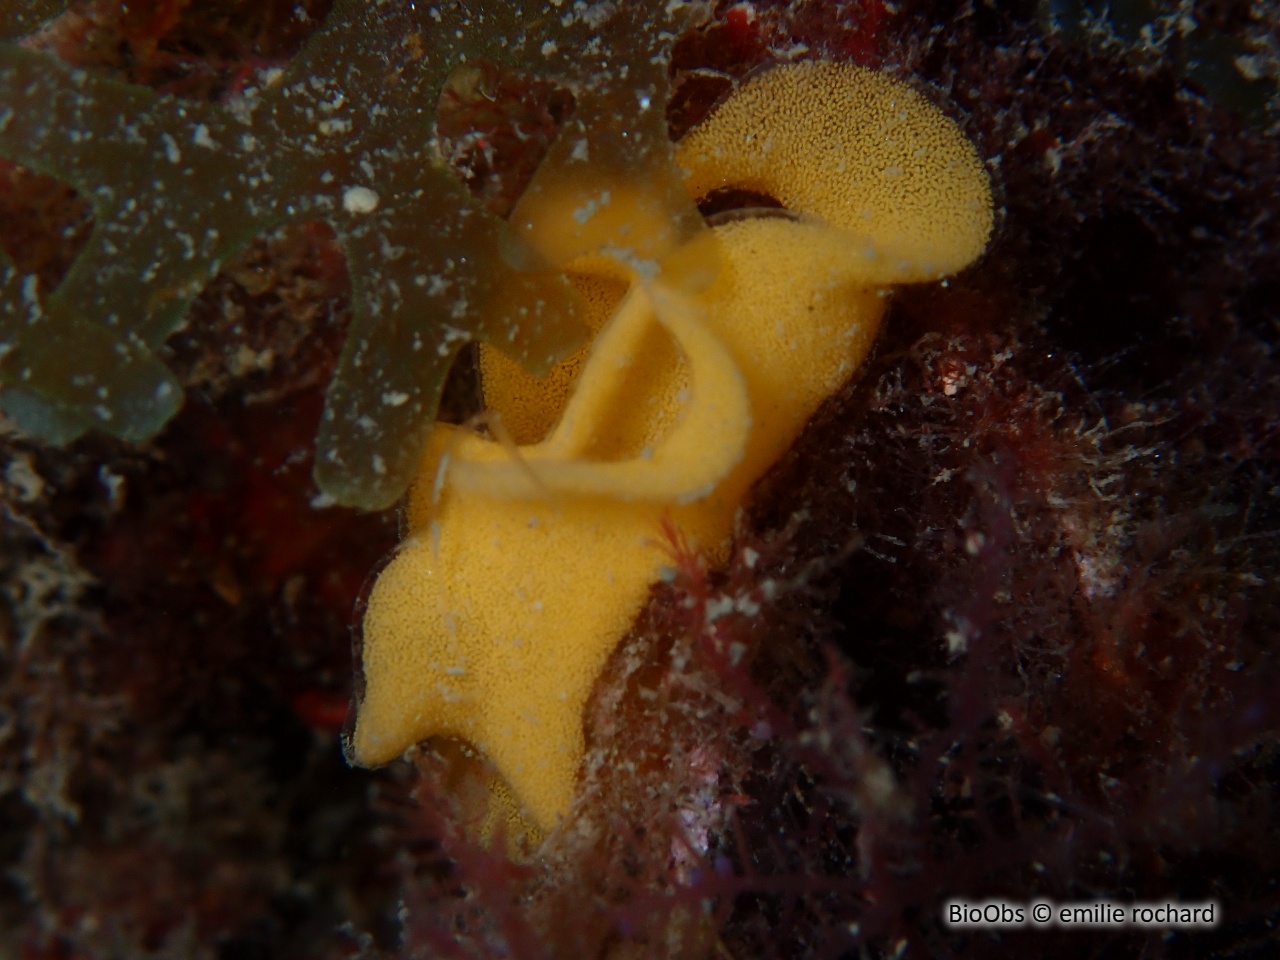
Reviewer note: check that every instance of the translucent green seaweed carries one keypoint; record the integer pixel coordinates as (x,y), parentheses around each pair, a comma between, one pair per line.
(178,188)
(23,16)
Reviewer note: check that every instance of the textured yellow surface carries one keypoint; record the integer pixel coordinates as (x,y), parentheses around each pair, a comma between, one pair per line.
(530,405)
(526,564)
(858,149)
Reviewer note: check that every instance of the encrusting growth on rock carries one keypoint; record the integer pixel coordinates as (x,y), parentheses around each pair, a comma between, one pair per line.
(526,565)
(999,624)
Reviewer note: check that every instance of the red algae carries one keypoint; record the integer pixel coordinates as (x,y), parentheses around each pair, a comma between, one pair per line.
(1000,626)
(201,51)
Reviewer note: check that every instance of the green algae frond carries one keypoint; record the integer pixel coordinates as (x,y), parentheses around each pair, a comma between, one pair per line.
(22,18)
(343,135)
